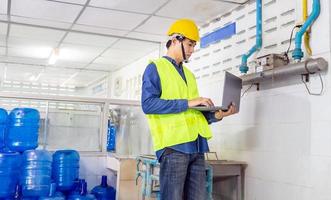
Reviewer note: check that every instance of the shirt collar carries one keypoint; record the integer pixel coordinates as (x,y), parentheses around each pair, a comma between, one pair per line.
(173,61)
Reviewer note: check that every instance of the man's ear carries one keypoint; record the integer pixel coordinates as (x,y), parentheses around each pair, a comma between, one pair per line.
(174,40)
(177,40)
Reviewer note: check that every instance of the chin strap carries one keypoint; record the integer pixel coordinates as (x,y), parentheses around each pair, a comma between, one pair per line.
(181,38)
(183,53)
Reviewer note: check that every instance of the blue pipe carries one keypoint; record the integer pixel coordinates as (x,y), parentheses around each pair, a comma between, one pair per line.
(243,67)
(297,53)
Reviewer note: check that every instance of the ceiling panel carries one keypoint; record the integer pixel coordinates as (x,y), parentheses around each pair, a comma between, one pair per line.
(199,10)
(111,61)
(40,22)
(91,40)
(36,33)
(121,57)
(3,6)
(111,19)
(74,1)
(79,53)
(153,37)
(121,54)
(30,48)
(3,29)
(41,9)
(94,29)
(103,67)
(134,45)
(33,51)
(141,6)
(161,23)
(26,43)
(71,64)
(24,60)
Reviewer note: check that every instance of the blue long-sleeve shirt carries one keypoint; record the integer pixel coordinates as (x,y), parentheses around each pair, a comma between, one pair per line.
(152,104)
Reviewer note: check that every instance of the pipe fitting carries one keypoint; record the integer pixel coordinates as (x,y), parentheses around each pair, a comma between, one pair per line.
(309,66)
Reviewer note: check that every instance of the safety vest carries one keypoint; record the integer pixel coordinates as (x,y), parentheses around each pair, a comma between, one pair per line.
(176,128)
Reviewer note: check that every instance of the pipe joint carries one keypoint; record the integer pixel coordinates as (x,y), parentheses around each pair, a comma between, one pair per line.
(297,54)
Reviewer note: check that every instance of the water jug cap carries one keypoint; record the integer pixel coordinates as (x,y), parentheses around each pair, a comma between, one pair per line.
(104,181)
(83,185)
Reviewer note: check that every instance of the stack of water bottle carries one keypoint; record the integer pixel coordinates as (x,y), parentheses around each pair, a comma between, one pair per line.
(30,174)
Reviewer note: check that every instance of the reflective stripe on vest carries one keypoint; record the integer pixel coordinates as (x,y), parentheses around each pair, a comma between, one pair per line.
(178,128)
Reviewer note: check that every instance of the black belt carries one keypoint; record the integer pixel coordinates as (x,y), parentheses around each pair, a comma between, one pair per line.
(168,151)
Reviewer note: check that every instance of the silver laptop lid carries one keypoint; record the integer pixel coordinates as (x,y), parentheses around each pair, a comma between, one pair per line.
(231,91)
(231,94)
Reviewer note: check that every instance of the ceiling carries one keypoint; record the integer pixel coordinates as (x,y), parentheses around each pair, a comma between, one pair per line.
(93,37)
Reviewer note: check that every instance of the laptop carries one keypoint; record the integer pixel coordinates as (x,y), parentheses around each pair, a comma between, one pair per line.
(231,94)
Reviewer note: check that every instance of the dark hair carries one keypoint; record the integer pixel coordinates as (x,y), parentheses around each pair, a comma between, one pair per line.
(168,44)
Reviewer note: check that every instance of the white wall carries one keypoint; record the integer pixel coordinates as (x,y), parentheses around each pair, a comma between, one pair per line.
(126,82)
(283,133)
(99,88)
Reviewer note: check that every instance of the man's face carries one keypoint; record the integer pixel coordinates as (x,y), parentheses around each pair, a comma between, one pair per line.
(188,47)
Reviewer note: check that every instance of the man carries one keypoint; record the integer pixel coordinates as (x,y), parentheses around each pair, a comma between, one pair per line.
(179,133)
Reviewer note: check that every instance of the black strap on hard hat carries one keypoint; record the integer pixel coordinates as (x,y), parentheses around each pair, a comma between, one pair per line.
(183,52)
(181,38)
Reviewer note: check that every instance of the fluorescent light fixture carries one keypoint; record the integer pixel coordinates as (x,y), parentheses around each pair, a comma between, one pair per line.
(55,55)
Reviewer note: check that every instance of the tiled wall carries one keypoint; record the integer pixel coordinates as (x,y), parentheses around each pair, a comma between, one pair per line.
(279,16)
(281,131)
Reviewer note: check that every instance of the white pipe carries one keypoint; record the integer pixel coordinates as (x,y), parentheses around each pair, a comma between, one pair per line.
(310,66)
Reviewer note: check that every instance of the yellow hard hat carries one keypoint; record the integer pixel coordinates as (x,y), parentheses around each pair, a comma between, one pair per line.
(185,27)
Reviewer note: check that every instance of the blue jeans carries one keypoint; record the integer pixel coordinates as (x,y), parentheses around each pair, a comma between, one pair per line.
(182,176)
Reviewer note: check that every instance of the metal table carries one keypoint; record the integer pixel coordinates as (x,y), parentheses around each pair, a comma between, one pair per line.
(227,169)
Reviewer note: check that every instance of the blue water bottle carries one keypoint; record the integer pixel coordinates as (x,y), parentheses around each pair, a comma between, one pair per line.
(103,191)
(9,173)
(80,192)
(3,122)
(36,172)
(22,129)
(111,135)
(65,170)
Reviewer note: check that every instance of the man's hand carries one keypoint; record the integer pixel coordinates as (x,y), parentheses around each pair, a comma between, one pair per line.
(220,114)
(201,101)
